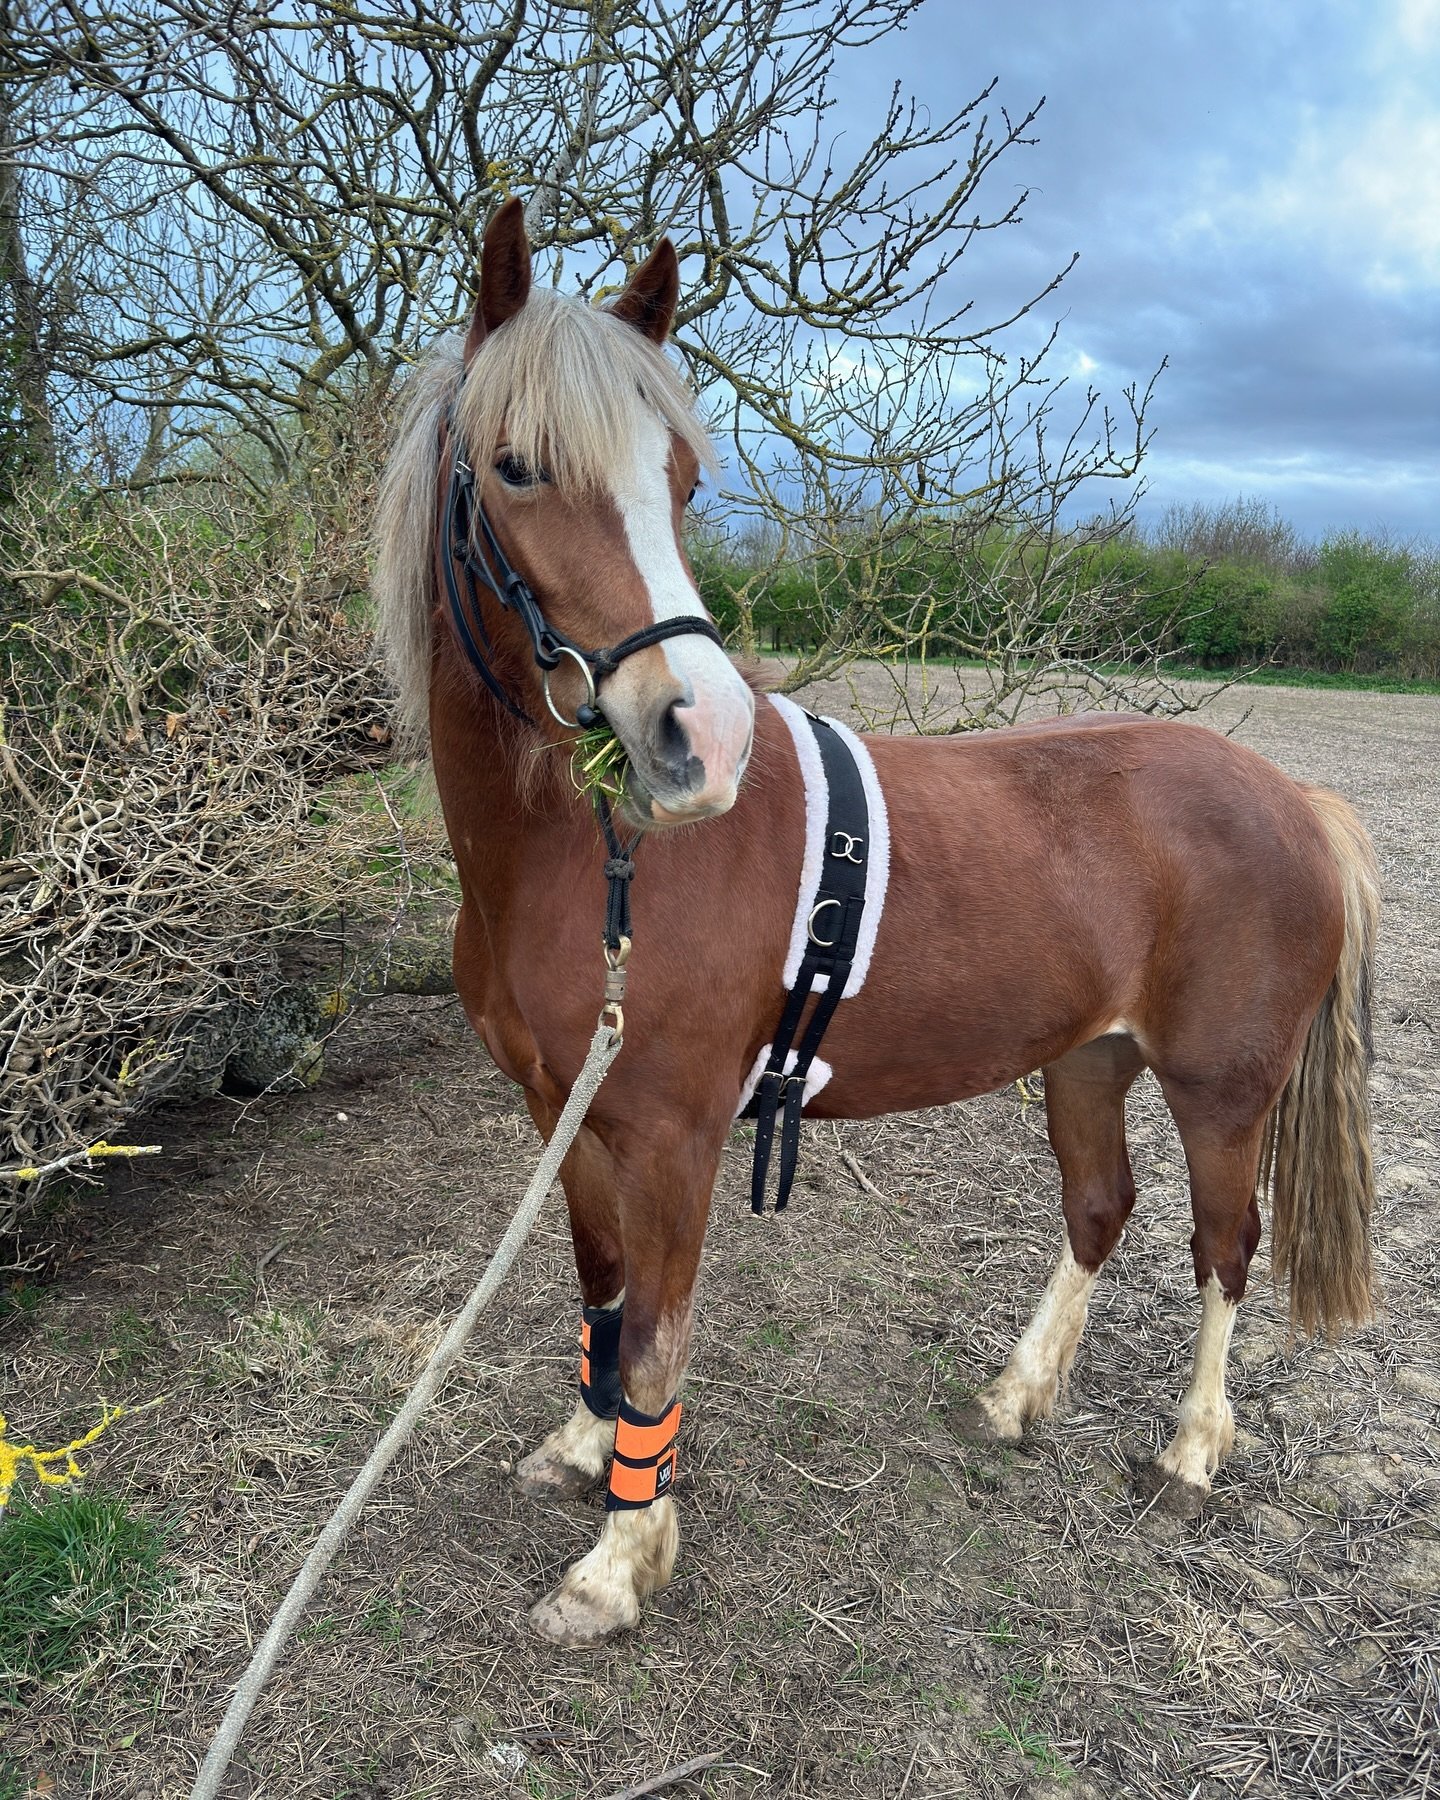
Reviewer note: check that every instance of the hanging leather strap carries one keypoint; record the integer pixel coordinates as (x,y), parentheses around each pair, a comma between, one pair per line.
(832,932)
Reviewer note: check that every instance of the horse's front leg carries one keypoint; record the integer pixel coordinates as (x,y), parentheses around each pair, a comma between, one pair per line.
(663,1174)
(578,1452)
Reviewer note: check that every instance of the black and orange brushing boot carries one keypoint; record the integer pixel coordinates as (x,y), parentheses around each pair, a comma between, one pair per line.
(643,1468)
(600,1359)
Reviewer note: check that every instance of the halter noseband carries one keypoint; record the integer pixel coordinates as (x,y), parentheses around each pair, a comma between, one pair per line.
(463,511)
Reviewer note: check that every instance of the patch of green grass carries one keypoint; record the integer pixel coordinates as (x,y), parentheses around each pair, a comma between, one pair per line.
(133,1340)
(941,1697)
(772,1336)
(1030,1743)
(806,1422)
(386,1616)
(547,1784)
(19,1301)
(76,1571)
(943,1361)
(359,1778)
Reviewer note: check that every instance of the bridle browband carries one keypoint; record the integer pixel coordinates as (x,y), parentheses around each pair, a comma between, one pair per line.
(464,511)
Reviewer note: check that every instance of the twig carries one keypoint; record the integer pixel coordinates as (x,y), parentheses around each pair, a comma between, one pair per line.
(96,1152)
(838,1487)
(265,1261)
(668,1777)
(851,1162)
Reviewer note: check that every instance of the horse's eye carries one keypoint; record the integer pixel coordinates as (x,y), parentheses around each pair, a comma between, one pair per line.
(690,497)
(517,473)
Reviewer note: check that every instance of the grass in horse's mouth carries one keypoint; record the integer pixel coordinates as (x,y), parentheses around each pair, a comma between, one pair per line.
(599,764)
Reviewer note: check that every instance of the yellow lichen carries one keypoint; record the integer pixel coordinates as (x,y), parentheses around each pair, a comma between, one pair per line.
(14,1457)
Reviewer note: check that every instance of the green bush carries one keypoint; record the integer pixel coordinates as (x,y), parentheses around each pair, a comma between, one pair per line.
(1219,587)
(1369,602)
(1228,614)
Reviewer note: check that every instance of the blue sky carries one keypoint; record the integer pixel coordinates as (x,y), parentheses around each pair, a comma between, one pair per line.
(1254,190)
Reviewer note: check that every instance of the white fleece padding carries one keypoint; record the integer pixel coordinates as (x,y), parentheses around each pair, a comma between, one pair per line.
(820,1073)
(817,813)
(812,773)
(878,874)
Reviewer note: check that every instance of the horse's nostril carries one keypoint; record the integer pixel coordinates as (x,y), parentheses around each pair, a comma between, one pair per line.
(674,749)
(673,740)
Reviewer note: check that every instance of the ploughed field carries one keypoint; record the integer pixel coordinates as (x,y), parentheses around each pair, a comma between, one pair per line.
(864,1603)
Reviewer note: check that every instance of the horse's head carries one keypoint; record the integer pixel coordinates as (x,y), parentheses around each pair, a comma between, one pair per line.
(586,451)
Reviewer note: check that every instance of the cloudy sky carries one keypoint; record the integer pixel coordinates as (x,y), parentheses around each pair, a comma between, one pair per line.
(1254,190)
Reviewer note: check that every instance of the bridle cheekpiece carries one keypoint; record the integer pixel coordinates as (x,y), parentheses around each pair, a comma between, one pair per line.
(464,512)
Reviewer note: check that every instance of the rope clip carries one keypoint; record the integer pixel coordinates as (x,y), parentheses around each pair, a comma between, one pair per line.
(613,1011)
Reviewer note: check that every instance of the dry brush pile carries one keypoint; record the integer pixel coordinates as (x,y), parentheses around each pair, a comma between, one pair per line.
(186,683)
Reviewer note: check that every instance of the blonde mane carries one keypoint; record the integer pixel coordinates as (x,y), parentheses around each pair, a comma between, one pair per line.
(566,386)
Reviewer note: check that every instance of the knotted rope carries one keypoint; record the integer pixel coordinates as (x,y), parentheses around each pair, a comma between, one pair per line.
(604,1048)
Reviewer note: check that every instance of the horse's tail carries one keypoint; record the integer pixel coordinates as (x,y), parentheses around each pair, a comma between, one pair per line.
(1318,1158)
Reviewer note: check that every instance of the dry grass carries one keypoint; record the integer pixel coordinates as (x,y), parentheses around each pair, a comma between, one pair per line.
(864,1605)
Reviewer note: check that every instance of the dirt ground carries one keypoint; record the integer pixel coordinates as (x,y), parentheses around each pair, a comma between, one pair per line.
(863,1604)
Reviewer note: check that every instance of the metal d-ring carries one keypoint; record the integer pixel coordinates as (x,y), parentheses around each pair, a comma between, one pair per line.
(815,912)
(584,668)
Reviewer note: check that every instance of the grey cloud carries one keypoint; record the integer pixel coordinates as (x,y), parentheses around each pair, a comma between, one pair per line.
(1320,392)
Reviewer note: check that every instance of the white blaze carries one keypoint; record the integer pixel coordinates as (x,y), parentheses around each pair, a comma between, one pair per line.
(642,494)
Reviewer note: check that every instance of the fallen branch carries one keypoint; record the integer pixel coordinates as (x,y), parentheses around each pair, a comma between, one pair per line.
(838,1487)
(95,1153)
(668,1777)
(851,1162)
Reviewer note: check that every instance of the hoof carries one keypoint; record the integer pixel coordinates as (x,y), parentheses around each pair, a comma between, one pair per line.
(575,1620)
(1171,1494)
(543,1477)
(975,1424)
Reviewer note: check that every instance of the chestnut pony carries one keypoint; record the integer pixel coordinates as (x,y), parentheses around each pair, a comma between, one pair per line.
(1092,897)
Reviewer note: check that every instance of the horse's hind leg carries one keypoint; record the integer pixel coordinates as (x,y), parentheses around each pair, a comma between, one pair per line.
(1085,1114)
(1223,1161)
(577,1453)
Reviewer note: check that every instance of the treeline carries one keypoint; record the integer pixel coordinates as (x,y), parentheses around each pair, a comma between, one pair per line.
(1215,587)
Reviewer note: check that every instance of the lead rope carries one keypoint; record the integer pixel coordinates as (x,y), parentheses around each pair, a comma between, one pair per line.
(604,1048)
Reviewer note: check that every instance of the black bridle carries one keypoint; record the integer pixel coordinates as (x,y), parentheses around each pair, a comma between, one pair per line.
(464,512)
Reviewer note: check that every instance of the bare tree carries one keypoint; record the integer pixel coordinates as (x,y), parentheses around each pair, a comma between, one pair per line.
(281,201)
(263,214)
(225,230)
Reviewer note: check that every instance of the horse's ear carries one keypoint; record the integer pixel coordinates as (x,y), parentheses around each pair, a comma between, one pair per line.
(652,293)
(504,274)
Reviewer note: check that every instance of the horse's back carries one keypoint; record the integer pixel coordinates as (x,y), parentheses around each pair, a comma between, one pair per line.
(1073,872)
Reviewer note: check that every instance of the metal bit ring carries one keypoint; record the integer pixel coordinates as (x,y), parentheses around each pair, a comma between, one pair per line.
(584,668)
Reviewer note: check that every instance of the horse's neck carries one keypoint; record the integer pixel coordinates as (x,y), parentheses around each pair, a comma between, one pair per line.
(501,811)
